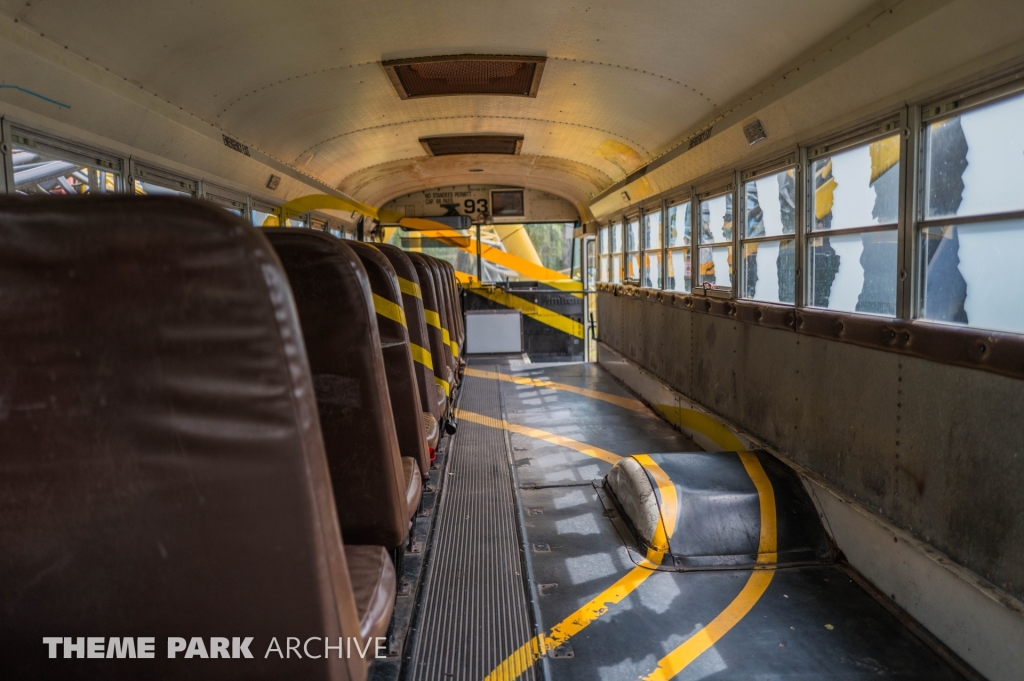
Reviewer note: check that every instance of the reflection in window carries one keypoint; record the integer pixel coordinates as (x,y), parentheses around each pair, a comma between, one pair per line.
(615,264)
(716,223)
(677,238)
(603,235)
(858,271)
(856,190)
(143,188)
(975,167)
(769,264)
(633,249)
(652,250)
(51,172)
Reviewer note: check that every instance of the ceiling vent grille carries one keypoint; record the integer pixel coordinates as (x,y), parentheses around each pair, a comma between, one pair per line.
(467,74)
(447,145)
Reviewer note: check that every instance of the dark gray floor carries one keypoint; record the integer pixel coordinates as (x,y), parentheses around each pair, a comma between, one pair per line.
(812,622)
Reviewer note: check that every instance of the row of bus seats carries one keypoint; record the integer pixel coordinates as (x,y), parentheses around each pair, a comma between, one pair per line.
(209,432)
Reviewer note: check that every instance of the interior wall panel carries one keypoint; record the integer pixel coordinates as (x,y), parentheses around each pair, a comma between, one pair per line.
(913,440)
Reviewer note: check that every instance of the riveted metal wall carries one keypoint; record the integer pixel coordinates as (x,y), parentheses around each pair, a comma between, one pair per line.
(936,449)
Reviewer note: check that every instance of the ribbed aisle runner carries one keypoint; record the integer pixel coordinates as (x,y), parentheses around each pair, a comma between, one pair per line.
(475,612)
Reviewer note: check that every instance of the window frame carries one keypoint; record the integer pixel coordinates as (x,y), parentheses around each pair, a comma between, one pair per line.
(604,252)
(893,123)
(949,106)
(228,198)
(674,202)
(626,220)
(62,147)
(723,186)
(139,170)
(651,209)
(790,160)
(616,274)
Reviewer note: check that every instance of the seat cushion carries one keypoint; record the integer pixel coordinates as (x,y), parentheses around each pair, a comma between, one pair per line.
(373,581)
(413,484)
(431,431)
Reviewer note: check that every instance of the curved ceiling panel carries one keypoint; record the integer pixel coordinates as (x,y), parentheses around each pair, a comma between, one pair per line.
(302,80)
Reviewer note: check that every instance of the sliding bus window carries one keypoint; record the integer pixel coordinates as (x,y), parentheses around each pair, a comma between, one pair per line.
(615,262)
(677,242)
(45,165)
(148,181)
(231,203)
(768,237)
(264,215)
(651,273)
(971,231)
(852,237)
(603,257)
(632,274)
(715,240)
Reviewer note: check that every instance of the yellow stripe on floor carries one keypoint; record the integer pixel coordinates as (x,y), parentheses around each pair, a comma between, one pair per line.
(544,435)
(531,651)
(624,402)
(758,582)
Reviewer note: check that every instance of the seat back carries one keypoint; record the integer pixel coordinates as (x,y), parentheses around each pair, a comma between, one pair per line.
(416,322)
(443,312)
(398,364)
(162,472)
(339,325)
(451,284)
(441,355)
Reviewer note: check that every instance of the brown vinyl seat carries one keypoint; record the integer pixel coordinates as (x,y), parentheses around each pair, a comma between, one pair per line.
(441,354)
(444,318)
(412,302)
(446,276)
(458,328)
(163,472)
(399,367)
(339,326)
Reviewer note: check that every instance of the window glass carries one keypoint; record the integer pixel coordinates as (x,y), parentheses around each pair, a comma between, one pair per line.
(617,238)
(770,269)
(858,187)
(602,237)
(771,205)
(769,265)
(973,274)
(716,220)
(633,235)
(652,230)
(678,265)
(854,272)
(975,161)
(652,269)
(590,249)
(263,215)
(44,169)
(678,225)
(616,269)
(603,274)
(716,266)
(143,188)
(230,205)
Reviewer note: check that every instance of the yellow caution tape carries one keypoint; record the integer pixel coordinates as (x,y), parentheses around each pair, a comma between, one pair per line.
(385,308)
(410,288)
(421,355)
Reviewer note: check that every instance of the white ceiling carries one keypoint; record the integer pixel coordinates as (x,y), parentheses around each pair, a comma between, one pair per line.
(302,80)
